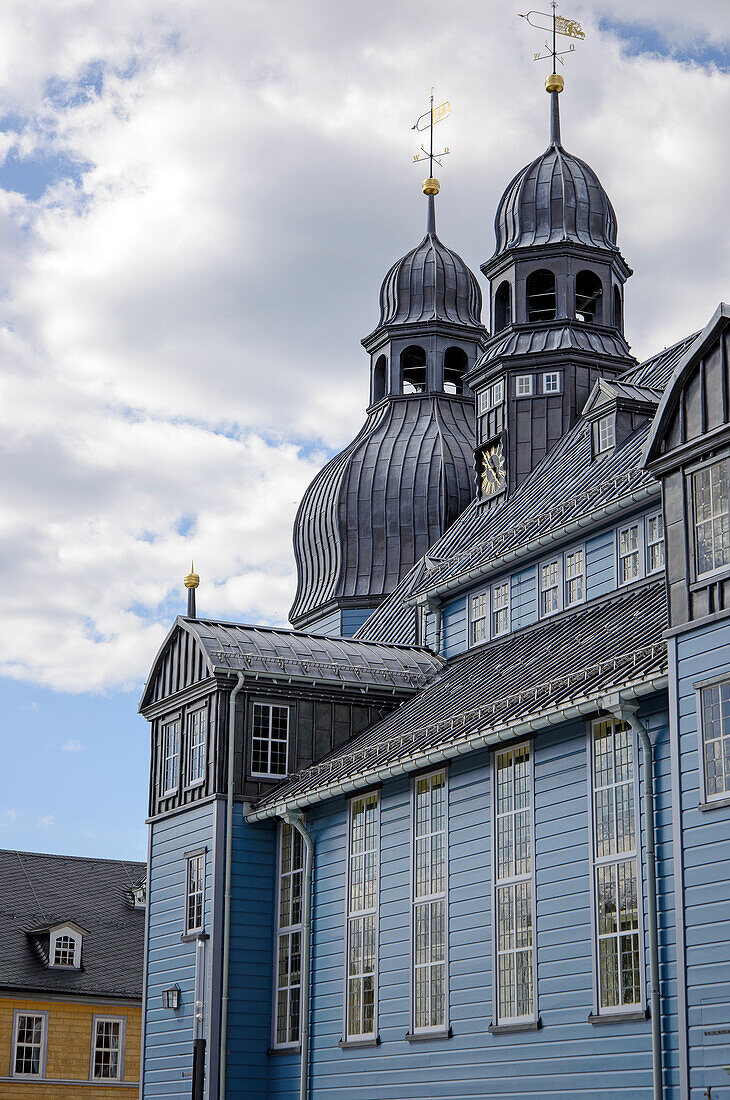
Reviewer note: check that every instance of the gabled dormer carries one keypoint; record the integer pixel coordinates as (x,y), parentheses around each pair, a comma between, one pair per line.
(60,945)
(615,410)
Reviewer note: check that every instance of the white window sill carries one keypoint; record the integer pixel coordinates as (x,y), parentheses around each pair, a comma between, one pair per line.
(531,1024)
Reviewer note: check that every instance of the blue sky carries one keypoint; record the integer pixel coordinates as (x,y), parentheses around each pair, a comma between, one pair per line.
(197,206)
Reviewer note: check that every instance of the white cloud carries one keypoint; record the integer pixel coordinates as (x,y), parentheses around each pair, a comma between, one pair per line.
(181,321)
(46,822)
(72,745)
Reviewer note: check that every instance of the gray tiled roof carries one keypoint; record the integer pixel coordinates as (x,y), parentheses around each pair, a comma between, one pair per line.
(38,891)
(534,676)
(535,339)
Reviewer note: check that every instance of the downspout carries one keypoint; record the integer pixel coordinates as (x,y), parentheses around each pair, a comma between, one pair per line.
(229,861)
(296,820)
(627,712)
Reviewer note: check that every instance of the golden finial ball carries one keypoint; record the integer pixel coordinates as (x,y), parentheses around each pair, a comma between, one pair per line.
(431,186)
(554,83)
(192,580)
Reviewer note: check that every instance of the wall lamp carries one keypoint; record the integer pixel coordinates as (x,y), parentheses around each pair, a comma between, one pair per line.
(171,997)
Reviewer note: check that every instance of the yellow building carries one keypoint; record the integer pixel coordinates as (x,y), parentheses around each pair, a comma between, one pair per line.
(72,931)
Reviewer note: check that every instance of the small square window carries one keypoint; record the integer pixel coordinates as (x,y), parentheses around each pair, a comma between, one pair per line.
(65,948)
(606,433)
(551,382)
(523,385)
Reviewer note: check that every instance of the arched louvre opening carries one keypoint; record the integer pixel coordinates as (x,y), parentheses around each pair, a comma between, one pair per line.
(413,369)
(588,297)
(541,297)
(502,306)
(379,378)
(455,364)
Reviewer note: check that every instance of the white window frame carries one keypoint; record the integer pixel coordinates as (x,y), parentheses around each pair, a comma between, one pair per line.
(497,393)
(638,523)
(701,687)
(614,859)
(648,544)
(547,563)
(200,716)
(494,610)
(122,1021)
(580,549)
(271,705)
(195,859)
(43,1015)
(62,932)
(356,917)
(485,399)
(287,930)
(474,619)
(169,727)
(509,881)
(442,895)
(692,474)
(524,385)
(558,376)
(605,442)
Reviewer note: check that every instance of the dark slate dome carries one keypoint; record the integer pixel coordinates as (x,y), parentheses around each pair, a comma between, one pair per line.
(557,198)
(430,283)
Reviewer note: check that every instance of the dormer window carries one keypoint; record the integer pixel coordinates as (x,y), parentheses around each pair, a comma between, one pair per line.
(64,949)
(139,895)
(604,434)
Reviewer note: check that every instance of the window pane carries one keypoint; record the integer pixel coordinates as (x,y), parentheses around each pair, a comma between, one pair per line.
(513,894)
(429,914)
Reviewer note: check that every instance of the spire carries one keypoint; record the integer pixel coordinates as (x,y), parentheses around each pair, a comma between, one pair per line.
(191,583)
(431,215)
(555,117)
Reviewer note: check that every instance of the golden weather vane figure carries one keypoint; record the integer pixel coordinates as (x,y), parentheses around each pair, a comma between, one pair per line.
(556,25)
(427,121)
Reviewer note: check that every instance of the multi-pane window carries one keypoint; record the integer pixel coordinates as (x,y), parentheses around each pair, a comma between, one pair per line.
(478,618)
(523,385)
(429,902)
(615,865)
(270,740)
(654,543)
(629,554)
(498,392)
(30,1038)
(711,494)
(289,936)
(549,587)
(500,608)
(715,721)
(106,1059)
(484,399)
(64,951)
(575,576)
(362,901)
(197,728)
(194,892)
(551,382)
(170,756)
(606,433)
(513,902)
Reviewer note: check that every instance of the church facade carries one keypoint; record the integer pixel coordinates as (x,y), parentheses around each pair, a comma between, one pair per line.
(465,829)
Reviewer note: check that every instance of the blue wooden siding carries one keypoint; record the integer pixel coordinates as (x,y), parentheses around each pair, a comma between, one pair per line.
(569,1057)
(330,624)
(455,627)
(703,653)
(431,630)
(523,597)
(353,618)
(252,944)
(600,567)
(169,1034)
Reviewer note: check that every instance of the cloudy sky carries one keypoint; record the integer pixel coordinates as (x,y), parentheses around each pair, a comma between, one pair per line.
(199,200)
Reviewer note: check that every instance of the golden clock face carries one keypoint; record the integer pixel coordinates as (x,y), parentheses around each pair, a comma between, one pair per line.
(492,469)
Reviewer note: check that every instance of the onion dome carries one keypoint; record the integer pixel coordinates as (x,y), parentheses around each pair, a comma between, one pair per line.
(556,198)
(430,283)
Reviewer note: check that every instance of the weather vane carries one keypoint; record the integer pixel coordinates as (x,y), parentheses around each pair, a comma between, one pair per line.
(427,121)
(557,24)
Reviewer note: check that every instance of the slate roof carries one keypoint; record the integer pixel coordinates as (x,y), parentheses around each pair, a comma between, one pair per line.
(38,891)
(376,507)
(532,678)
(430,283)
(576,487)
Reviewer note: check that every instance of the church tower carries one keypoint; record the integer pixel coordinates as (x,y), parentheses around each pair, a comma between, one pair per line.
(376,507)
(556,300)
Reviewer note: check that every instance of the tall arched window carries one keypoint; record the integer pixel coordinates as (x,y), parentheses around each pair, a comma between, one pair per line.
(541,300)
(618,309)
(502,306)
(455,363)
(588,297)
(413,369)
(379,379)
